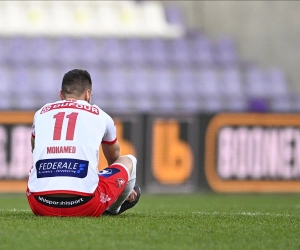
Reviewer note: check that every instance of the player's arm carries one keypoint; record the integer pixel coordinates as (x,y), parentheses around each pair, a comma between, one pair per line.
(32,143)
(111,152)
(110,144)
(32,140)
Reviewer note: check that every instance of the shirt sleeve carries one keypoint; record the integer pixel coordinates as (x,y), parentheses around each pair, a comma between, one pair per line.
(110,136)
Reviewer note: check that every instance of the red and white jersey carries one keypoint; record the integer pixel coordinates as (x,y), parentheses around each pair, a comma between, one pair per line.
(68,135)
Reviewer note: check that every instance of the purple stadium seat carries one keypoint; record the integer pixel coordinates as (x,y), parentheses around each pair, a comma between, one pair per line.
(116,83)
(110,51)
(259,105)
(189,105)
(185,83)
(277,82)
(5,88)
(41,51)
(178,52)
(201,52)
(101,87)
(256,84)
(49,78)
(17,50)
(139,87)
(138,82)
(235,103)
(99,81)
(207,88)
(68,53)
(118,90)
(162,89)
(5,80)
(133,51)
(23,88)
(4,55)
(47,82)
(161,83)
(213,104)
(65,49)
(208,83)
(87,51)
(174,15)
(184,89)
(156,52)
(295,101)
(231,82)
(283,103)
(225,52)
(193,34)
(22,81)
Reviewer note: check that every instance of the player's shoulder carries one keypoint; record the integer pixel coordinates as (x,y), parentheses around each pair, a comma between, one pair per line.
(102,112)
(44,107)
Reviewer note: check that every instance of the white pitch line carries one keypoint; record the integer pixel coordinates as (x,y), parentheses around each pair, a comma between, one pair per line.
(19,210)
(15,210)
(244,214)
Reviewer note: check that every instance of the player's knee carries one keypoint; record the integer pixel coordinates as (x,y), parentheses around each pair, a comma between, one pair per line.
(129,161)
(133,159)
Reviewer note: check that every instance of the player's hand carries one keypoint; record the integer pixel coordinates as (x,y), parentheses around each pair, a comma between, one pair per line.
(132,196)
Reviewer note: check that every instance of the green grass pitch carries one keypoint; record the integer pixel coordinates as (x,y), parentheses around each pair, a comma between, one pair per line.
(171,222)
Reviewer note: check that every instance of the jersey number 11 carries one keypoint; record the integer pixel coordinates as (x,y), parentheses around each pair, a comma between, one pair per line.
(59,119)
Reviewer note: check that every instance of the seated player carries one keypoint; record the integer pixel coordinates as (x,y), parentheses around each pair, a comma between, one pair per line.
(64,179)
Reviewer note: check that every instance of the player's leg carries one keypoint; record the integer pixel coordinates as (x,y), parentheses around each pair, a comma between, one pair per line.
(129,161)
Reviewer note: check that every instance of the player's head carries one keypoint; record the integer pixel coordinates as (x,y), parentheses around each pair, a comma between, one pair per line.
(77,84)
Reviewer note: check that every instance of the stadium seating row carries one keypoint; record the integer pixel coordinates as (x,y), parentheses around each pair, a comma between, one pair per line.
(193,49)
(143,88)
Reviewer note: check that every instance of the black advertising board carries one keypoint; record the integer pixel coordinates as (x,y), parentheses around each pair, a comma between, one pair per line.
(181,153)
(171,153)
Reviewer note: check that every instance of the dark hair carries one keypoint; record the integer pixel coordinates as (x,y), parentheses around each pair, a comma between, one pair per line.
(75,82)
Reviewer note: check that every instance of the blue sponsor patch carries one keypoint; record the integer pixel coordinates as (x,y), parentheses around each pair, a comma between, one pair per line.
(107,172)
(61,167)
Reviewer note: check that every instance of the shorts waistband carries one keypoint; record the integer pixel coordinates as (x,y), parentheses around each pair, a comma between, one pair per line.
(62,202)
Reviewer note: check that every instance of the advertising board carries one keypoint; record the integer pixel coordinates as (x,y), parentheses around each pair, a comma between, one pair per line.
(253,153)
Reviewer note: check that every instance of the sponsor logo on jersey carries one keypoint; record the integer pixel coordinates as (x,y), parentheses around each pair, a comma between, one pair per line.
(62,202)
(107,172)
(61,167)
(73,105)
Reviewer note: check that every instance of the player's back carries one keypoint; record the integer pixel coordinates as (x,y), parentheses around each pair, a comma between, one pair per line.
(66,123)
(67,139)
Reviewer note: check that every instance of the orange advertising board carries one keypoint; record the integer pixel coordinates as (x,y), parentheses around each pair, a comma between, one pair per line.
(172,157)
(253,153)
